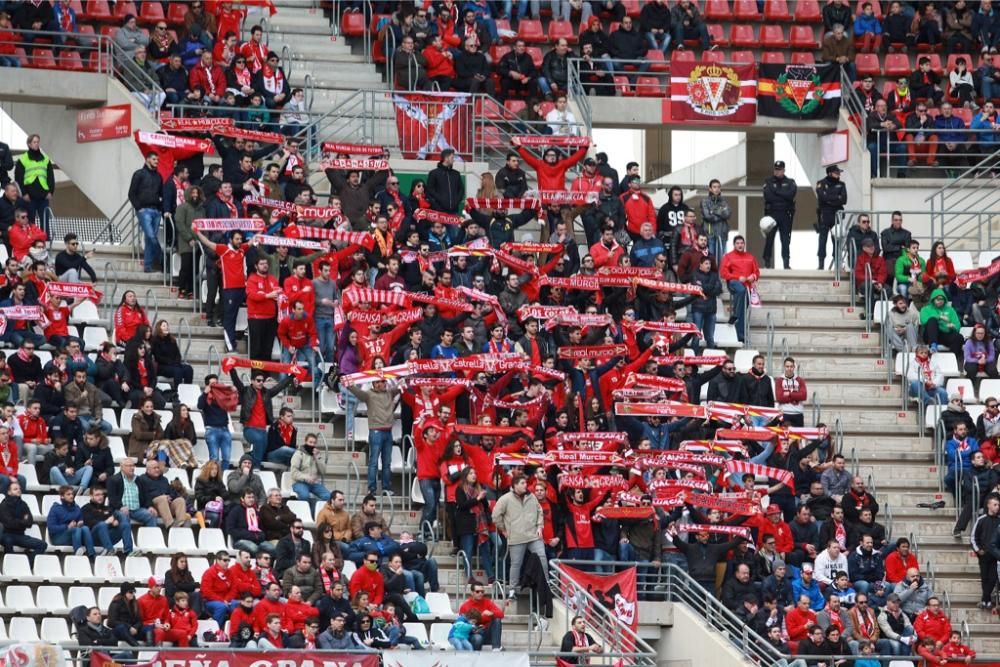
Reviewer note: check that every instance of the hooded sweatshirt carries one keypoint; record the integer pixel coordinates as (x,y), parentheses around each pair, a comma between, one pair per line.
(186,214)
(949,321)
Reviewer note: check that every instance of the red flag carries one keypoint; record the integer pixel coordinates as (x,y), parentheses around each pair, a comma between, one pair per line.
(713,93)
(431,122)
(616,592)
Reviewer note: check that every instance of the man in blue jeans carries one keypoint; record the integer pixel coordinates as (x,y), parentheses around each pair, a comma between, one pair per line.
(217,435)
(327,295)
(145,193)
(107,526)
(381,401)
(123,496)
(739,269)
(65,524)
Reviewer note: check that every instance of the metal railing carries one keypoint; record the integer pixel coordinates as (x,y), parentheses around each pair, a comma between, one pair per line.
(851,103)
(918,154)
(974,188)
(271,120)
(597,76)
(769,335)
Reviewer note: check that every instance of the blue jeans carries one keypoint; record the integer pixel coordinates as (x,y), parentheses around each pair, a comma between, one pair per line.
(739,302)
(76,537)
(307,355)
(460,644)
(88,421)
(717,246)
(490,635)
(327,339)
(706,325)
(471,548)
(9,61)
(5,483)
(143,517)
(17,336)
(426,571)
(698,32)
(220,610)
(522,8)
(917,389)
(379,447)
(79,478)
(107,536)
(660,42)
(350,409)
(431,490)
(282,455)
(257,437)
(149,221)
(303,489)
(220,444)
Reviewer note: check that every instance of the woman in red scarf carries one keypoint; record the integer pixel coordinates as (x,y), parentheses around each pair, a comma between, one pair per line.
(418,196)
(472,523)
(239,81)
(939,271)
(129,317)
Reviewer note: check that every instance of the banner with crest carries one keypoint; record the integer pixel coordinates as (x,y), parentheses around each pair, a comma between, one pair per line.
(799,91)
(428,123)
(713,93)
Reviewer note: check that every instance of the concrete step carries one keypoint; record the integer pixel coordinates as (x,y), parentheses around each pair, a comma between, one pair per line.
(920,494)
(823,341)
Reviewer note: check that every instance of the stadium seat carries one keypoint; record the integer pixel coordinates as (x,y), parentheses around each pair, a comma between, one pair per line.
(536,55)
(562,29)
(78,568)
(962,259)
(745,10)
(81,596)
(94,337)
(530,30)
(51,599)
(683,57)
(16,566)
(418,631)
(303,510)
(20,598)
(772,37)
(439,636)
(55,630)
(439,606)
(717,10)
(717,35)
(70,61)
(716,56)
(742,35)
(803,58)
(773,57)
(867,63)
(897,65)
(122,9)
(352,24)
(648,86)
(104,596)
(808,11)
(43,59)
(180,540)
(211,540)
(935,63)
(350,568)
(109,568)
(742,56)
(197,565)
(743,359)
(947,363)
(24,629)
(777,10)
(137,569)
(802,37)
(100,10)
(658,62)
(151,12)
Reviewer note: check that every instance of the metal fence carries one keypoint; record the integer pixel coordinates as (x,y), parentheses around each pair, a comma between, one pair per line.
(933,153)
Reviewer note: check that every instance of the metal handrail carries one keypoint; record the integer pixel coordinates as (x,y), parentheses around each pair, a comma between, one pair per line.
(838,430)
(460,558)
(855,463)
(392,507)
(182,325)
(888,522)
(407,470)
(265,26)
(850,101)
(156,303)
(210,353)
(747,310)
(579,95)
(938,450)
(109,268)
(287,60)
(817,411)
(352,469)
(769,333)
(956,184)
(868,296)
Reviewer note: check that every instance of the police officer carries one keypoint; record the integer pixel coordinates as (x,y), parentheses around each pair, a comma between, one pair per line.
(831,196)
(779,203)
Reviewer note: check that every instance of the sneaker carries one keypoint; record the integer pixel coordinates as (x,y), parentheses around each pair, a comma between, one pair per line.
(497,649)
(388,493)
(512,593)
(934,348)
(134,552)
(956,532)
(543,623)
(80,551)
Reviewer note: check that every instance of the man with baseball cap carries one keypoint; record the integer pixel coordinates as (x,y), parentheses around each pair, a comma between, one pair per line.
(779,203)
(153,608)
(831,197)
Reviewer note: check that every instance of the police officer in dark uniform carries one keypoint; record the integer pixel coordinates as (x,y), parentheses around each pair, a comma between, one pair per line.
(831,196)
(779,203)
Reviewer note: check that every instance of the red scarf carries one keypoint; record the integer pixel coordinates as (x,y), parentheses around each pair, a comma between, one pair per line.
(24,355)
(211,81)
(179,185)
(285,431)
(274,79)
(328,579)
(243,76)
(143,373)
(230,204)
(925,367)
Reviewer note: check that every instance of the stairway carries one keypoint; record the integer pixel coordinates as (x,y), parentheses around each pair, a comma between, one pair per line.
(340,460)
(843,368)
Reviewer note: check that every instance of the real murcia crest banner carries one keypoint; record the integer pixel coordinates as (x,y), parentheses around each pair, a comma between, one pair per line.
(428,123)
(713,93)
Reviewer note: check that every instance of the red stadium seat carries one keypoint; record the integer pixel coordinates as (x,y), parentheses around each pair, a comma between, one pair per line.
(77,7)
(515,106)
(742,57)
(98,62)
(378,52)
(935,62)
(109,31)
(964,114)
(777,10)
(490,108)
(808,11)
(352,24)
(742,35)
(498,51)
(648,86)
(802,37)
(888,87)
(43,59)
(897,65)
(70,61)
(867,63)
(632,8)
(772,37)
(658,60)
(97,10)
(621,84)
(536,55)
(803,58)
(530,30)
(562,29)
(716,56)
(717,35)
(123,9)
(22,57)
(773,57)
(503,25)
(746,10)
(682,57)
(176,12)
(718,10)
(151,12)
(953,58)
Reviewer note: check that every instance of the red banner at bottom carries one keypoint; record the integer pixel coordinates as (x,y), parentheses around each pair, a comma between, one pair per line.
(300,658)
(618,593)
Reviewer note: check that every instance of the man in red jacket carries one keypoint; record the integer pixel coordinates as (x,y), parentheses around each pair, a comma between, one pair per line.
(153,608)
(869,266)
(440,62)
(242,578)
(638,208)
(369,579)
(297,334)
(932,622)
(209,77)
(216,589)
(550,170)
(490,616)
(740,272)
(263,292)
(270,604)
(607,251)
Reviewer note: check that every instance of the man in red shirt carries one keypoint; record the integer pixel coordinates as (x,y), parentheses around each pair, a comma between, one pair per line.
(254,51)
(607,251)
(740,272)
(262,293)
(232,258)
(638,208)
(369,579)
(297,334)
(270,604)
(209,77)
(216,589)
(550,170)
(490,615)
(242,578)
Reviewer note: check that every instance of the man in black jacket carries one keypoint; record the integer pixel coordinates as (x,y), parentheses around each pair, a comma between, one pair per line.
(895,241)
(472,70)
(755,386)
(511,181)
(555,70)
(983,531)
(145,193)
(779,203)
(702,557)
(174,80)
(10,202)
(6,164)
(518,73)
(608,206)
(15,518)
(831,197)
(445,188)
(106,525)
(628,44)
(156,495)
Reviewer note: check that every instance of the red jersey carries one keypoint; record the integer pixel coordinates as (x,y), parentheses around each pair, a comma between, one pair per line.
(259,305)
(300,289)
(256,55)
(215,584)
(234,265)
(369,581)
(262,610)
(58,321)
(127,320)
(736,264)
(584,183)
(154,608)
(242,581)
(34,428)
(297,333)
(21,238)
(638,209)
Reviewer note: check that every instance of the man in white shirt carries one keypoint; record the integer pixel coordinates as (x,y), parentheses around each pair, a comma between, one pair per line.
(829,562)
(561,120)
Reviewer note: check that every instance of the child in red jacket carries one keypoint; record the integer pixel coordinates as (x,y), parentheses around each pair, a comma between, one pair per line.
(182,623)
(928,652)
(956,651)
